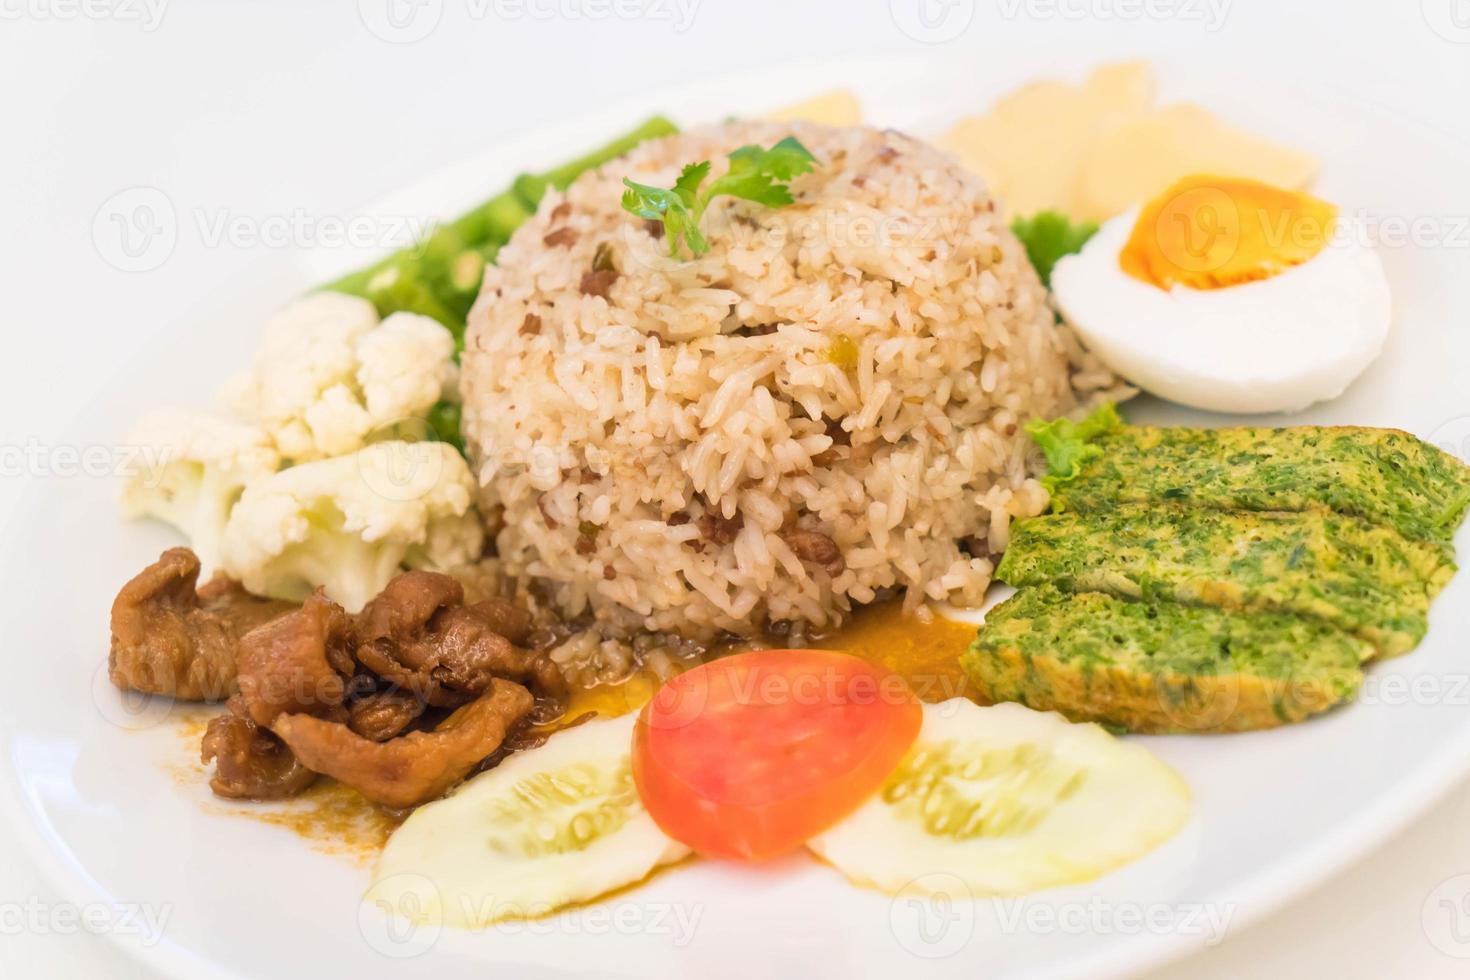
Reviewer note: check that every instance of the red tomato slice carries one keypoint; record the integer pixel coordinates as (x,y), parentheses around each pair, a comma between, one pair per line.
(749,756)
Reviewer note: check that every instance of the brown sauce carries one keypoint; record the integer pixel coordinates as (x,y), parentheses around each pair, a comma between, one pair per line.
(332,818)
(336,819)
(924,653)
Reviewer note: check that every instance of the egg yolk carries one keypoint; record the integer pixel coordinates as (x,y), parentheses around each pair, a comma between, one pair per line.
(1206,232)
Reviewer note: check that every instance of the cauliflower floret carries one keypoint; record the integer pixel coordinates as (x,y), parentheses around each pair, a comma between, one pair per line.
(405,366)
(329,377)
(190,470)
(348,523)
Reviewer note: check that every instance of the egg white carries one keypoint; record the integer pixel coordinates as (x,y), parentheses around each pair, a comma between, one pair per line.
(1275,345)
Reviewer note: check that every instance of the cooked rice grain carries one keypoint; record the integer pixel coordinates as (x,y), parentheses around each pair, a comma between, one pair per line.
(859,364)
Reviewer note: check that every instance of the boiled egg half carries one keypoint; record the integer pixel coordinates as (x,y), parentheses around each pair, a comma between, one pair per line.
(1230,295)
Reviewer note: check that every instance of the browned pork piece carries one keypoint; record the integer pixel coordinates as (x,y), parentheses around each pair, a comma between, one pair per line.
(169,637)
(298,664)
(384,714)
(418,634)
(508,619)
(250,762)
(366,699)
(414,768)
(400,702)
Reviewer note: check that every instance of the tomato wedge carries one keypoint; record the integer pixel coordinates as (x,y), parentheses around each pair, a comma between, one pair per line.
(749,756)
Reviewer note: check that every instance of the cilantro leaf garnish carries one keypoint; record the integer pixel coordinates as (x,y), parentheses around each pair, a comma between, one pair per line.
(755,174)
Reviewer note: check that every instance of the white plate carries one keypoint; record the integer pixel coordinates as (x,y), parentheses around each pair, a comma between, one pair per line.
(103,812)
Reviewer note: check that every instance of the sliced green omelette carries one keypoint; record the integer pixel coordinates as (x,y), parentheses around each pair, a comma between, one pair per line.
(1161,666)
(1217,579)
(1343,571)
(1384,476)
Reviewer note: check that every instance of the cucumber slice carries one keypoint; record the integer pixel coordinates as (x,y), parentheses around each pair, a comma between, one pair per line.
(550,826)
(1007,800)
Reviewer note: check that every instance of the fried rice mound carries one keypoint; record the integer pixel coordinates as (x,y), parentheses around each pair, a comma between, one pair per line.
(825,409)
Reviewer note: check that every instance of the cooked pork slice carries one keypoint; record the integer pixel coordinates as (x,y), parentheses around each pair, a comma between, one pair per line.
(320,691)
(506,618)
(471,652)
(169,637)
(420,636)
(297,664)
(414,768)
(250,763)
(383,715)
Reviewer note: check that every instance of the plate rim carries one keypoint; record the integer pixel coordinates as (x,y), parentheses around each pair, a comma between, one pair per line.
(1255,895)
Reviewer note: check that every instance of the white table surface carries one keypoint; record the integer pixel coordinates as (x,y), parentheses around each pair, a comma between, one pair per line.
(262,109)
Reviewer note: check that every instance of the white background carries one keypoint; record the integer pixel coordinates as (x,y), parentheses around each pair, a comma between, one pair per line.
(258,112)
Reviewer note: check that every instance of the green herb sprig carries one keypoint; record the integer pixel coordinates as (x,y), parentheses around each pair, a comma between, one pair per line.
(755,174)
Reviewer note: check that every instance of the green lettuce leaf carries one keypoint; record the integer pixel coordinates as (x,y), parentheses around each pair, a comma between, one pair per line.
(1048,236)
(1068,445)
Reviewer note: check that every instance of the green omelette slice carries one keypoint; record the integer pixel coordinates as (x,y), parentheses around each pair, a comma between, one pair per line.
(1340,570)
(1384,476)
(1161,666)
